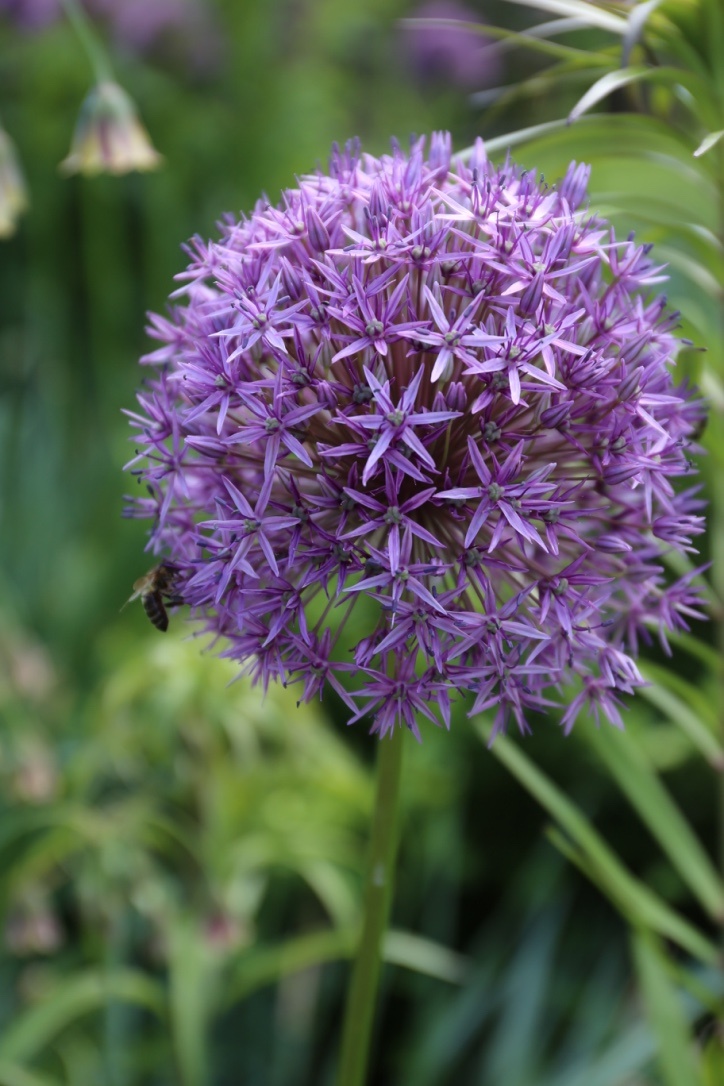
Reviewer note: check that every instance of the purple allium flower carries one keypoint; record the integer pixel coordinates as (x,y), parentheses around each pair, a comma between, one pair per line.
(450,53)
(413,431)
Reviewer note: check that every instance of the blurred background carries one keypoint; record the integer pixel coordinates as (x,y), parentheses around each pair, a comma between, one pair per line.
(180,862)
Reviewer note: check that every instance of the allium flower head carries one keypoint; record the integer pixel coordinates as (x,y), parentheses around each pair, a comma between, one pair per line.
(109,138)
(413,432)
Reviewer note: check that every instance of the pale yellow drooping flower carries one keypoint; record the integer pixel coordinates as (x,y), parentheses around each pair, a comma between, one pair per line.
(109,137)
(13,190)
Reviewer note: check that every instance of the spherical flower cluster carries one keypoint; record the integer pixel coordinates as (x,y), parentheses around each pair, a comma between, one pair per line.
(413,432)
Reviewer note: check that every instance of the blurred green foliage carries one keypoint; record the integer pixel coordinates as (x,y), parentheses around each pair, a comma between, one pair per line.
(180,859)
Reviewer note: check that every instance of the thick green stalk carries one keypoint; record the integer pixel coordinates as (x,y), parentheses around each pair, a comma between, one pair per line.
(362,994)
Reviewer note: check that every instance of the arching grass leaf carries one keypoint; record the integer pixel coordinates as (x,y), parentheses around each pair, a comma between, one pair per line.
(633,898)
(79,995)
(644,790)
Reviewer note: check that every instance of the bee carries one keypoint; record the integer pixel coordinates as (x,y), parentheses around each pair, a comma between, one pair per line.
(155,590)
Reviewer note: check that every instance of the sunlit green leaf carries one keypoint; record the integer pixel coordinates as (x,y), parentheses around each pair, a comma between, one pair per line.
(579,9)
(422,955)
(708,142)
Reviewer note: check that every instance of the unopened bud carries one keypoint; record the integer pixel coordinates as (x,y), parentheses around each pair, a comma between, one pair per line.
(318,233)
(531,296)
(555,416)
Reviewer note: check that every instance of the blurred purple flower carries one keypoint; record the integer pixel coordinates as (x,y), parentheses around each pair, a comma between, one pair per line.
(413,432)
(183,27)
(31,14)
(450,54)
(144,27)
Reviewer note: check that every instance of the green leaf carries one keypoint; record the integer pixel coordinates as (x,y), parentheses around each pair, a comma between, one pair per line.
(193,977)
(636,23)
(589,14)
(708,142)
(696,723)
(712,1062)
(502,143)
(78,995)
(623,77)
(531,39)
(638,905)
(675,1049)
(258,966)
(631,896)
(11,1074)
(694,270)
(713,19)
(422,955)
(642,787)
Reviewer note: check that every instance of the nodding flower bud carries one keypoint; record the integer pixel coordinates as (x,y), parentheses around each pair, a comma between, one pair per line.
(13,191)
(108,137)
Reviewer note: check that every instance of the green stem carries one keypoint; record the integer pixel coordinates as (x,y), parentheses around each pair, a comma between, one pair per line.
(362,994)
(89,41)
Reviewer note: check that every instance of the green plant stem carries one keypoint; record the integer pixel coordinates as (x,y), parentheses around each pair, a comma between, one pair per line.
(89,41)
(362,994)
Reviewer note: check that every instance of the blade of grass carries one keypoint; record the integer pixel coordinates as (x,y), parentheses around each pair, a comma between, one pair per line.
(675,1052)
(637,904)
(79,995)
(11,1074)
(647,795)
(579,9)
(676,710)
(631,896)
